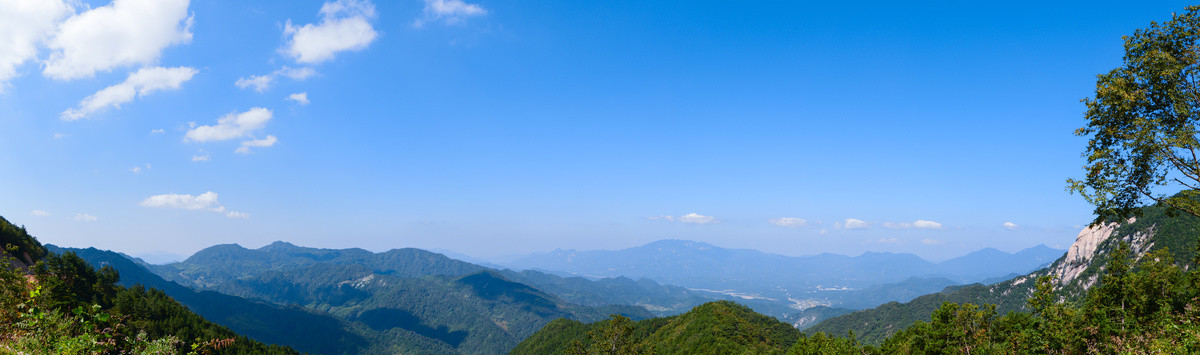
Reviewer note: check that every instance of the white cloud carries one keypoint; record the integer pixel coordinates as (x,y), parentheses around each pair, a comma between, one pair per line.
(823,231)
(23,25)
(888,241)
(790,222)
(1011,226)
(138,169)
(201,156)
(259,82)
(344,26)
(922,224)
(60,135)
(257,143)
(39,213)
(230,126)
(697,218)
(84,217)
(124,33)
(662,217)
(851,223)
(932,241)
(140,83)
(449,11)
(206,201)
(300,98)
(157,131)
(296,73)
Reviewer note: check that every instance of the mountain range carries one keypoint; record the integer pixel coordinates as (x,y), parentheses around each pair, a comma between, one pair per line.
(825,279)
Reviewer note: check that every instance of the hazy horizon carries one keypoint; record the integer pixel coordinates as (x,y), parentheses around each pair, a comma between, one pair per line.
(497,128)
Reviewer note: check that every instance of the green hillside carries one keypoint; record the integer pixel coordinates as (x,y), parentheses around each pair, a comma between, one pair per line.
(1155,230)
(17,243)
(721,327)
(64,305)
(310,331)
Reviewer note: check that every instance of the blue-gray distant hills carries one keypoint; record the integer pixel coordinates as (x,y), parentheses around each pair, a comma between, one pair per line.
(701,265)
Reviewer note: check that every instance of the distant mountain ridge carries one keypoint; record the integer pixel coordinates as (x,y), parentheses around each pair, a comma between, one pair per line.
(701,265)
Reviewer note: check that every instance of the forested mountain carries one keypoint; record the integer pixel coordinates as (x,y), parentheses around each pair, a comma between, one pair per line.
(404,300)
(1074,273)
(309,331)
(720,327)
(223,263)
(60,304)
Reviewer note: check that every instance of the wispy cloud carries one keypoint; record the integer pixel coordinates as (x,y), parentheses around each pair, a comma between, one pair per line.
(201,156)
(790,222)
(39,213)
(449,11)
(697,218)
(257,143)
(345,26)
(138,169)
(851,223)
(206,201)
(261,83)
(1010,226)
(84,217)
(919,224)
(231,126)
(300,98)
(694,218)
(141,83)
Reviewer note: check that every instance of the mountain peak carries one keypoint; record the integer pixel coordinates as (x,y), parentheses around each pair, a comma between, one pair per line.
(278,245)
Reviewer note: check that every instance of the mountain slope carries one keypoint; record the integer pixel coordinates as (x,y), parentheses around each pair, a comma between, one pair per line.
(720,327)
(17,243)
(64,305)
(410,299)
(310,332)
(1074,272)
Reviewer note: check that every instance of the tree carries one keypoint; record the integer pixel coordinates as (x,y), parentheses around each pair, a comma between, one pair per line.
(1142,124)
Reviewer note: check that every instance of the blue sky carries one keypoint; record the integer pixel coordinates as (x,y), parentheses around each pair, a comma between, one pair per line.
(495,128)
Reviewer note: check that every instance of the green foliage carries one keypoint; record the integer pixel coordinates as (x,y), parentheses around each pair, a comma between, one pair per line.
(1142,123)
(721,327)
(67,307)
(1145,307)
(17,242)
